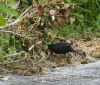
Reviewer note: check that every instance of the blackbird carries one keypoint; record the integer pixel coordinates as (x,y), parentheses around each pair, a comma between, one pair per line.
(61,48)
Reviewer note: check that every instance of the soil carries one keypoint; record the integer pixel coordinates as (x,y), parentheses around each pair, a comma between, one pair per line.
(89,50)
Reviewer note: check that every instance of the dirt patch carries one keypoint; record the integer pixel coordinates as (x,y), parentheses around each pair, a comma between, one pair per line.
(89,50)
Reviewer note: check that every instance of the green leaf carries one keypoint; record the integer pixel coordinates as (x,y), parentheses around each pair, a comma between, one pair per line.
(80,1)
(2,21)
(8,11)
(10,1)
(67,1)
(12,50)
(13,5)
(84,1)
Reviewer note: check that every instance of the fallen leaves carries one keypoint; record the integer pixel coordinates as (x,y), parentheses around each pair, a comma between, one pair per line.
(53,13)
(39,17)
(40,10)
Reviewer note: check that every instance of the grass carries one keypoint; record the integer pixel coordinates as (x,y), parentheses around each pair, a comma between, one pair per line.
(70,31)
(87,24)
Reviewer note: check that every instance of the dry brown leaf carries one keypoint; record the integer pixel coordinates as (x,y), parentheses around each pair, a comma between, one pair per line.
(66,6)
(63,20)
(62,1)
(37,47)
(53,1)
(40,10)
(53,12)
(52,35)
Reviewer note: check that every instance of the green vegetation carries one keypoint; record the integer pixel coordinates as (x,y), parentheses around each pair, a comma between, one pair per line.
(87,14)
(87,24)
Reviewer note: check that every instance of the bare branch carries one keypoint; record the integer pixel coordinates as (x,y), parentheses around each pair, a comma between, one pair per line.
(15,54)
(5,70)
(10,32)
(23,15)
(3,63)
(14,33)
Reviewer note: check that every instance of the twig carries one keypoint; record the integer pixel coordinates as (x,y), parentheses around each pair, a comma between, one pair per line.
(42,54)
(30,48)
(23,15)
(13,61)
(29,58)
(20,35)
(16,54)
(42,57)
(10,32)
(3,69)
(18,4)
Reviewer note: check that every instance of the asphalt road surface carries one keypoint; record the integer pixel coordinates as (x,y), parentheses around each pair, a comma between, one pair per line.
(88,74)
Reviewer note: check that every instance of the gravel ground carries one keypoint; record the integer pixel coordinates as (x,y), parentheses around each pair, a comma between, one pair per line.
(87,74)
